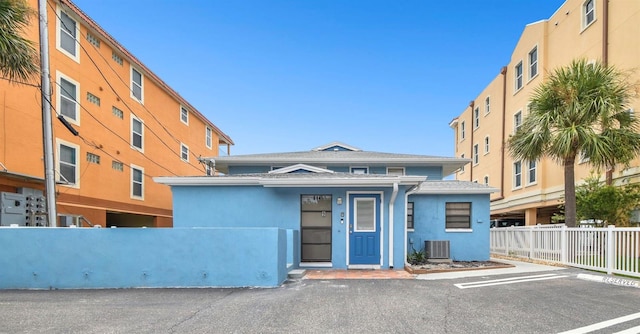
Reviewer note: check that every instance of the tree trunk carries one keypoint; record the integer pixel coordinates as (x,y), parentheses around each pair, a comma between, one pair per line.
(569,192)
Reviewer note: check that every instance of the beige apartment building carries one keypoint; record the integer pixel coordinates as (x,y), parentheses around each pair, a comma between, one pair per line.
(604,30)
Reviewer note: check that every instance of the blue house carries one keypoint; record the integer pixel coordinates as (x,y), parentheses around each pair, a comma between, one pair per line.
(342,207)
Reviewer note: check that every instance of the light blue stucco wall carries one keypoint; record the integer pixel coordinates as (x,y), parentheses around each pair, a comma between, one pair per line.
(63,258)
(429,222)
(256,206)
(249,169)
(432,172)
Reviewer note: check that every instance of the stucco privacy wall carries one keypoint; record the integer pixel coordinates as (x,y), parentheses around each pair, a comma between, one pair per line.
(61,258)
(429,218)
(257,206)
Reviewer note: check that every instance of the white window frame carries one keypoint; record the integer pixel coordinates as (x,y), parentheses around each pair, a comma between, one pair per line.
(59,32)
(535,171)
(476,118)
(518,78)
(59,76)
(208,137)
(487,105)
(476,154)
(585,23)
(462,131)
(487,144)
(356,169)
(134,118)
(59,178)
(132,181)
(458,229)
(184,151)
(486,180)
(400,169)
(184,115)
(517,176)
(517,121)
(462,168)
(533,65)
(141,85)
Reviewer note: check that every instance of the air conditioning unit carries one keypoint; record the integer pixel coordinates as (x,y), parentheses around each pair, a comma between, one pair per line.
(437,249)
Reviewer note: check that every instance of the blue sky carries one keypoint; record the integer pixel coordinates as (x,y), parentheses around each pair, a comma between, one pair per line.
(290,75)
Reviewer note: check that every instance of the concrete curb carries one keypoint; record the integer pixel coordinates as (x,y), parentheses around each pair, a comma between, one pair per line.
(610,280)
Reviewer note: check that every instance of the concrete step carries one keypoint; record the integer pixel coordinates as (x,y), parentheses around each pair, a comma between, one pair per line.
(297,273)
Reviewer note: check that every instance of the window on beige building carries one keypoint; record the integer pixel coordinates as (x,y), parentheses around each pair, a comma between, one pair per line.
(487,105)
(518,76)
(588,13)
(533,63)
(517,174)
(517,121)
(532,174)
(486,144)
(476,156)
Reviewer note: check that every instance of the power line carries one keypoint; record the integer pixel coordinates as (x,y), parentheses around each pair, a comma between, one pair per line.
(109,129)
(123,100)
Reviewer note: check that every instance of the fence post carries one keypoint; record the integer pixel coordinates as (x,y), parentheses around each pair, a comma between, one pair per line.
(507,240)
(610,248)
(563,244)
(531,242)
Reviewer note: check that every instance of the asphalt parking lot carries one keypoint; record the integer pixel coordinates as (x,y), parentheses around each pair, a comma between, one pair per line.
(541,302)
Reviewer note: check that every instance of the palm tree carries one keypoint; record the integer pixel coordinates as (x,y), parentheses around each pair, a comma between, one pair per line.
(579,111)
(18,56)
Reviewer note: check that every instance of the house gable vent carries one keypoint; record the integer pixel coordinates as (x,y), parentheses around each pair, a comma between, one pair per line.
(437,249)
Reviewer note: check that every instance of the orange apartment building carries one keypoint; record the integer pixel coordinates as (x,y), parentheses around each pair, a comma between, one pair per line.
(132,127)
(530,191)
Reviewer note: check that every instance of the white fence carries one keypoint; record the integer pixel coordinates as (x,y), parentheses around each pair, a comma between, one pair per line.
(613,250)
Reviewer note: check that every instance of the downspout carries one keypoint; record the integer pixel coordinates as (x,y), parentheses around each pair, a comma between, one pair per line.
(473,127)
(605,62)
(392,201)
(503,72)
(605,33)
(406,200)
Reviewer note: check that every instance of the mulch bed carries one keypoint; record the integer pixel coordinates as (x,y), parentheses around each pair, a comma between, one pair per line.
(433,267)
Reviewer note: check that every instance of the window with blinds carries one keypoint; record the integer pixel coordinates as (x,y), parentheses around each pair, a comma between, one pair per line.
(458,215)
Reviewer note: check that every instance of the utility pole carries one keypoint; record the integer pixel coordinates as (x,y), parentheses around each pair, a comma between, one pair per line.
(47,126)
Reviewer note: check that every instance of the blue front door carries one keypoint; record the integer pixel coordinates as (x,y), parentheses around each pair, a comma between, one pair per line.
(364,229)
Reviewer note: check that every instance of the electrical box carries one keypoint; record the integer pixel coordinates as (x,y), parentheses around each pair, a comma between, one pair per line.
(22,209)
(13,209)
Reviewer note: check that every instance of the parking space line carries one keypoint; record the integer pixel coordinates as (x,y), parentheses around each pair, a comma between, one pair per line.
(607,323)
(634,330)
(510,280)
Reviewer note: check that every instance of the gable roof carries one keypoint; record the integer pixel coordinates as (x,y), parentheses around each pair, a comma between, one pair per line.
(336,146)
(339,157)
(300,167)
(453,187)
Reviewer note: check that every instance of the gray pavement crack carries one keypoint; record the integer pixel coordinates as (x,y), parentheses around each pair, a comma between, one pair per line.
(172,329)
